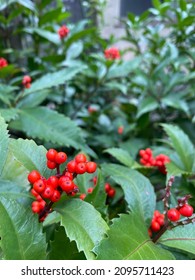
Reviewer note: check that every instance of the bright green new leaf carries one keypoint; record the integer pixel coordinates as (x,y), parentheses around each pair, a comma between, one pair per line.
(128,240)
(83,224)
(21,233)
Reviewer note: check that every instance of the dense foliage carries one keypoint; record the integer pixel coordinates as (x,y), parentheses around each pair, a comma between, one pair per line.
(63,86)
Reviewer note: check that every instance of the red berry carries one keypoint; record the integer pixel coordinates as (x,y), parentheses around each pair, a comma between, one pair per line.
(71,166)
(91,167)
(120,129)
(36,207)
(107,187)
(39,186)
(60,157)
(150,232)
(53,181)
(186,210)
(94,180)
(142,153)
(42,204)
(48,192)
(161,221)
(3,62)
(69,175)
(67,186)
(63,31)
(51,164)
(80,158)
(26,80)
(51,154)
(173,215)
(63,179)
(80,168)
(148,151)
(90,190)
(112,53)
(82,196)
(111,193)
(33,176)
(155,226)
(56,196)
(34,193)
(157,213)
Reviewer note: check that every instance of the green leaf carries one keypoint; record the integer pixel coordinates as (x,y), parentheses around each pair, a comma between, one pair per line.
(4,142)
(122,156)
(74,50)
(15,171)
(174,170)
(34,98)
(48,35)
(62,249)
(183,5)
(128,240)
(21,233)
(123,69)
(139,193)
(25,3)
(12,190)
(182,145)
(53,79)
(181,237)
(146,105)
(176,103)
(9,114)
(156,4)
(83,224)
(98,197)
(30,155)
(48,125)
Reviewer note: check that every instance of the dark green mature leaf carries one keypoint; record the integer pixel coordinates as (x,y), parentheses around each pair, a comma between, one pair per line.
(182,145)
(128,240)
(182,238)
(83,224)
(98,197)
(30,155)
(54,79)
(21,233)
(34,99)
(122,156)
(4,142)
(50,126)
(63,249)
(25,3)
(48,35)
(12,190)
(139,193)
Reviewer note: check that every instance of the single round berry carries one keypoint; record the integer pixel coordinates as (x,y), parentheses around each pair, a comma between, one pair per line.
(90,190)
(48,192)
(63,179)
(80,158)
(155,226)
(80,168)
(53,181)
(157,213)
(51,154)
(60,158)
(42,204)
(160,221)
(142,153)
(111,193)
(51,164)
(91,167)
(36,207)
(33,176)
(34,193)
(67,186)
(107,187)
(39,186)
(173,215)
(186,210)
(56,196)
(82,196)
(26,80)
(71,166)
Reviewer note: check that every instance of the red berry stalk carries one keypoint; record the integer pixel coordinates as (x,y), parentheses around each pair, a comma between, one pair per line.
(48,191)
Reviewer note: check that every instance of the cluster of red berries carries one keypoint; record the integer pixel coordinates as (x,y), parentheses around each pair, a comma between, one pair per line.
(63,31)
(112,53)
(157,222)
(26,81)
(109,190)
(185,210)
(148,159)
(48,191)
(3,62)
